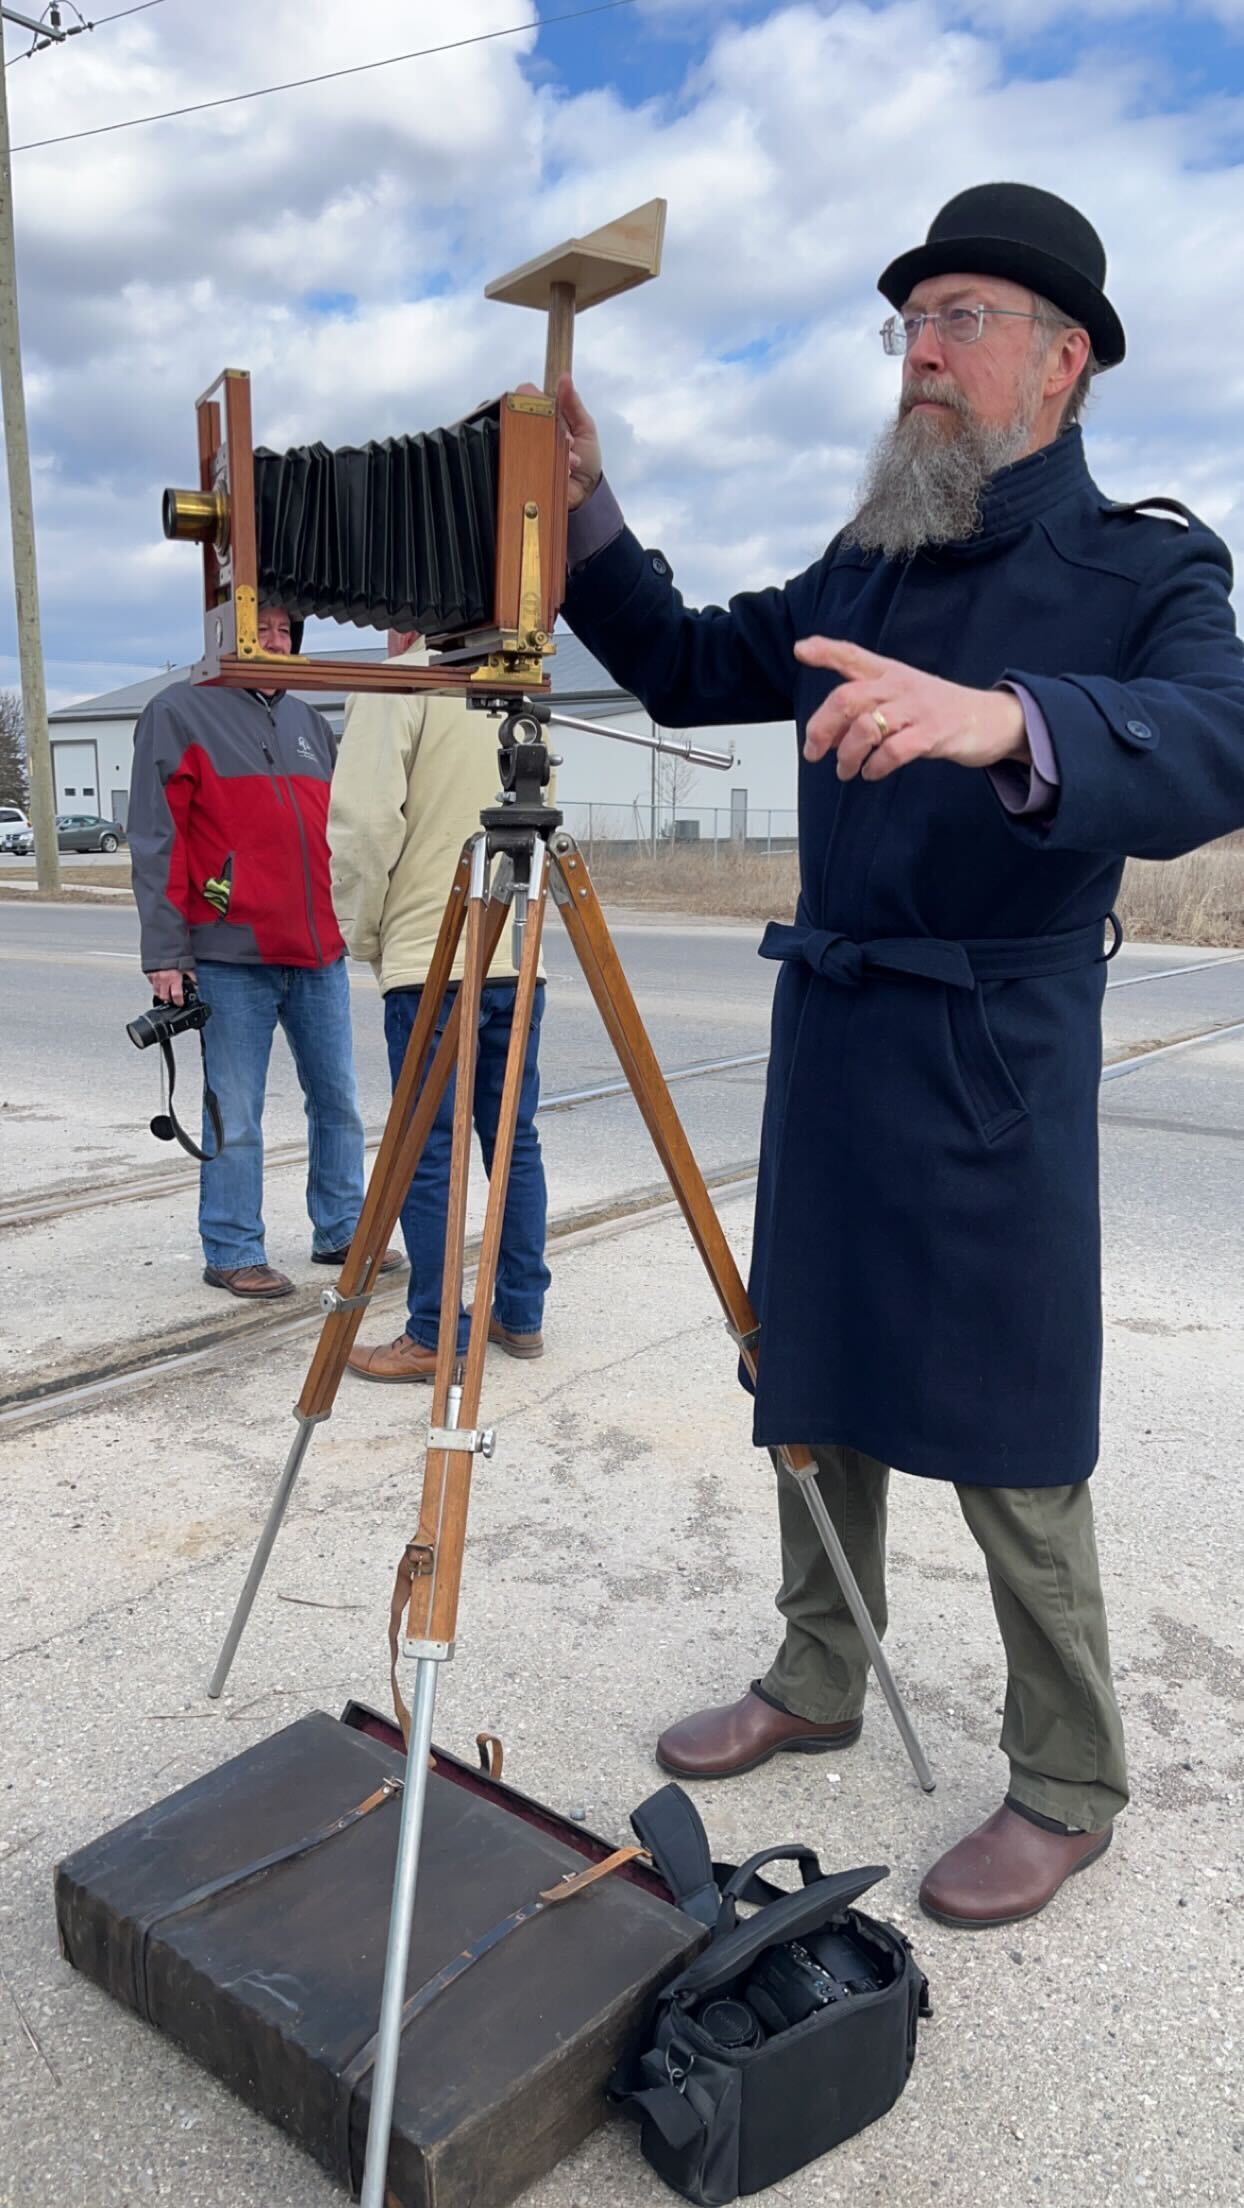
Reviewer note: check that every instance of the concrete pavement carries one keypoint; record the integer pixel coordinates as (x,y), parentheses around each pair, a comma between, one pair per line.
(621,1566)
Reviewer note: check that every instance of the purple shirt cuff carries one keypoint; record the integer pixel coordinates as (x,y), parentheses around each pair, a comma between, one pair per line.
(592,526)
(1029,792)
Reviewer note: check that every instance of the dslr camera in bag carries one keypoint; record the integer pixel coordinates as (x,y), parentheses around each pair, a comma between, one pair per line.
(793,2029)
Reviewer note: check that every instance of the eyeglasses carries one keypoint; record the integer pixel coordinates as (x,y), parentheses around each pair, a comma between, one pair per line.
(956,325)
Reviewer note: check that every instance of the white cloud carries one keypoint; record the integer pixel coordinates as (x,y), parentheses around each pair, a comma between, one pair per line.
(737,395)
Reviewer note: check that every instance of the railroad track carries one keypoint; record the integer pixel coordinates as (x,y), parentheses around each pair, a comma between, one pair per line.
(131,1188)
(125,1372)
(217,1343)
(49,1205)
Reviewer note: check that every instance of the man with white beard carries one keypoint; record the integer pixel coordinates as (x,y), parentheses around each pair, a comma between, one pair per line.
(1003,683)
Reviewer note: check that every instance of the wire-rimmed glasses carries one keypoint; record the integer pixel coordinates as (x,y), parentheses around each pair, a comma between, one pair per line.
(954,325)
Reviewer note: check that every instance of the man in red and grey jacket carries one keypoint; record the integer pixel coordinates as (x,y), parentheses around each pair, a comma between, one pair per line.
(228,805)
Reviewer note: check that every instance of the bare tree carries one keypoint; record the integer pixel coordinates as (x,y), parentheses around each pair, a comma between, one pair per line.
(14,781)
(675,782)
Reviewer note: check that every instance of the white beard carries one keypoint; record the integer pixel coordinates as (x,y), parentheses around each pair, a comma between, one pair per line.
(925,478)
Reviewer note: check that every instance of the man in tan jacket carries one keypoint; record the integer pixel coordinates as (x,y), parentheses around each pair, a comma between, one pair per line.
(412,774)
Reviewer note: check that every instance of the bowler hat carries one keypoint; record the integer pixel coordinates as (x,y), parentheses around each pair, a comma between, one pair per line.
(1029,236)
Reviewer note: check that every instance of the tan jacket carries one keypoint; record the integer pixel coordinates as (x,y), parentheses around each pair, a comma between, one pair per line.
(412,773)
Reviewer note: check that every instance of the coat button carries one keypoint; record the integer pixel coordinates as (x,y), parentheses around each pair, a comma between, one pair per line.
(1141,731)
(658,565)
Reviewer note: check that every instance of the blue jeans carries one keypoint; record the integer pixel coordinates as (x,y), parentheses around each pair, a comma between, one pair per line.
(312,1004)
(522,1275)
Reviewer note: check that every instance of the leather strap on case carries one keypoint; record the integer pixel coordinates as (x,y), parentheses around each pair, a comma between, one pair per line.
(360,2064)
(388,1790)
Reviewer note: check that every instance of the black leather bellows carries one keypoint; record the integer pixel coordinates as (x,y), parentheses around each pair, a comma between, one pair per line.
(395,534)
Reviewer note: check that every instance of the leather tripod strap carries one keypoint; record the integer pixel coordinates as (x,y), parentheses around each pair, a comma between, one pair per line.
(491,1754)
(407,1573)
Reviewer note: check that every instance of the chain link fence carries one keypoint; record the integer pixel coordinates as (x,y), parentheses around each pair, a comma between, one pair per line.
(720,834)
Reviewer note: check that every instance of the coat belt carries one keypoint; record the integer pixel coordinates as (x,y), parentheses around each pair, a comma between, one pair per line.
(843,961)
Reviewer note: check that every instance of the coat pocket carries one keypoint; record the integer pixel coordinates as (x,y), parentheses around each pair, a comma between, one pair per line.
(218,889)
(995,1102)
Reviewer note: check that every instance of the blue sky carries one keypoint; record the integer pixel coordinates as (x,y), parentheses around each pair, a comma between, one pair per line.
(336,240)
(1190,51)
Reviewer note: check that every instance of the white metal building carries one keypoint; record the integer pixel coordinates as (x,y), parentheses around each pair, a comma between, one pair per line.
(603,787)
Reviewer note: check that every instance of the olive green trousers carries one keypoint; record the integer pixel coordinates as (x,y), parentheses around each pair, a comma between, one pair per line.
(1061,1728)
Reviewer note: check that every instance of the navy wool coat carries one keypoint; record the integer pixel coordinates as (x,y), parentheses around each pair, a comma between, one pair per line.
(926,1266)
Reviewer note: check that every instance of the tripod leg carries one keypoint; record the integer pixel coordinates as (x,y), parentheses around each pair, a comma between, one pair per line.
(441,1463)
(806,1476)
(411,1114)
(433,1609)
(401,1147)
(588,930)
(263,1550)
(397,1953)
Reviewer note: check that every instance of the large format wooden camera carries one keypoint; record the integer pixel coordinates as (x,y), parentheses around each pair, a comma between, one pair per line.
(459,533)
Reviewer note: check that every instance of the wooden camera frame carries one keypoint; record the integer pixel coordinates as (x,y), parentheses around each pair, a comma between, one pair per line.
(529,576)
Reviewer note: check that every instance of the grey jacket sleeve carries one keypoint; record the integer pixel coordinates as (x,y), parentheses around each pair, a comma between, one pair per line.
(157,858)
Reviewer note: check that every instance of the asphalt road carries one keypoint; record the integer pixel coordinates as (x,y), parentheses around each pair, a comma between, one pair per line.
(73,1086)
(69,981)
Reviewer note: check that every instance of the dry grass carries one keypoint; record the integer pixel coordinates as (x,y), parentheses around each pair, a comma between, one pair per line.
(751,888)
(109,874)
(1199,899)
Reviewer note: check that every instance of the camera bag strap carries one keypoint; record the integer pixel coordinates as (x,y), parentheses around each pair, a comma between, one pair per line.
(670,1827)
(166,1127)
(734,1947)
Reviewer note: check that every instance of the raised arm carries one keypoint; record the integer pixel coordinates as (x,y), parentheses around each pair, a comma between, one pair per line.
(718,664)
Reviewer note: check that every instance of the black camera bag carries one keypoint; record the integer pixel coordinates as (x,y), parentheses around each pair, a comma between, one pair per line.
(716,2122)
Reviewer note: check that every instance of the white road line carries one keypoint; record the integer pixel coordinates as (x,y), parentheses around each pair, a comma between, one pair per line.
(1120,1066)
(1170,973)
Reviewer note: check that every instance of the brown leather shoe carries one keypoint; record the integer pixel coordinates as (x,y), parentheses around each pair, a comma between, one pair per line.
(719,1744)
(1007,1869)
(399,1360)
(252,1281)
(514,1345)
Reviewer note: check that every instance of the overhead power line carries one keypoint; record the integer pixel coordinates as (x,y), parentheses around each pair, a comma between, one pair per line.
(326,76)
(139,8)
(42,43)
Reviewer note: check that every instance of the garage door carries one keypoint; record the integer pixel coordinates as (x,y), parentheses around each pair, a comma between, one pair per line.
(74,777)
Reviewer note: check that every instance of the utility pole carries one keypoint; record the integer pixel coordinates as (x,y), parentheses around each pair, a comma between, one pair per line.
(21,502)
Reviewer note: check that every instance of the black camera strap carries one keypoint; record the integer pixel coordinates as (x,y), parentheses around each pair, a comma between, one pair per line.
(166,1127)
(670,1827)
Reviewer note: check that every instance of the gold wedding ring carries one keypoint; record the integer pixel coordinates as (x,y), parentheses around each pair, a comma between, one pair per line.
(883,726)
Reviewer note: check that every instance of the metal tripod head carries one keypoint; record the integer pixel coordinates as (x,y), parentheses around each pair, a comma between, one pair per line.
(522,814)
(524,763)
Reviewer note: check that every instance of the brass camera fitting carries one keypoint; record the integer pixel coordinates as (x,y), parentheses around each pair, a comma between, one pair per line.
(197,517)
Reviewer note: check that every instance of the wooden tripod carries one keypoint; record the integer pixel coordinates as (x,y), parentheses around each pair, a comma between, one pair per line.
(536,856)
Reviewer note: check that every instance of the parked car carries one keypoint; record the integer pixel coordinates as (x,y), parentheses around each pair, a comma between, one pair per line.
(79,832)
(13,826)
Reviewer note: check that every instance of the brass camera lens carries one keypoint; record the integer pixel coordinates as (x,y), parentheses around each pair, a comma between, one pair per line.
(196,517)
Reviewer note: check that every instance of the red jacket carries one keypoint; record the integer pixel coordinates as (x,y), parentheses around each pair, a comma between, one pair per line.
(227,829)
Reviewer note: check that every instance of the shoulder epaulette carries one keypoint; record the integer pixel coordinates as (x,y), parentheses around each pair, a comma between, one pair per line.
(1164,506)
